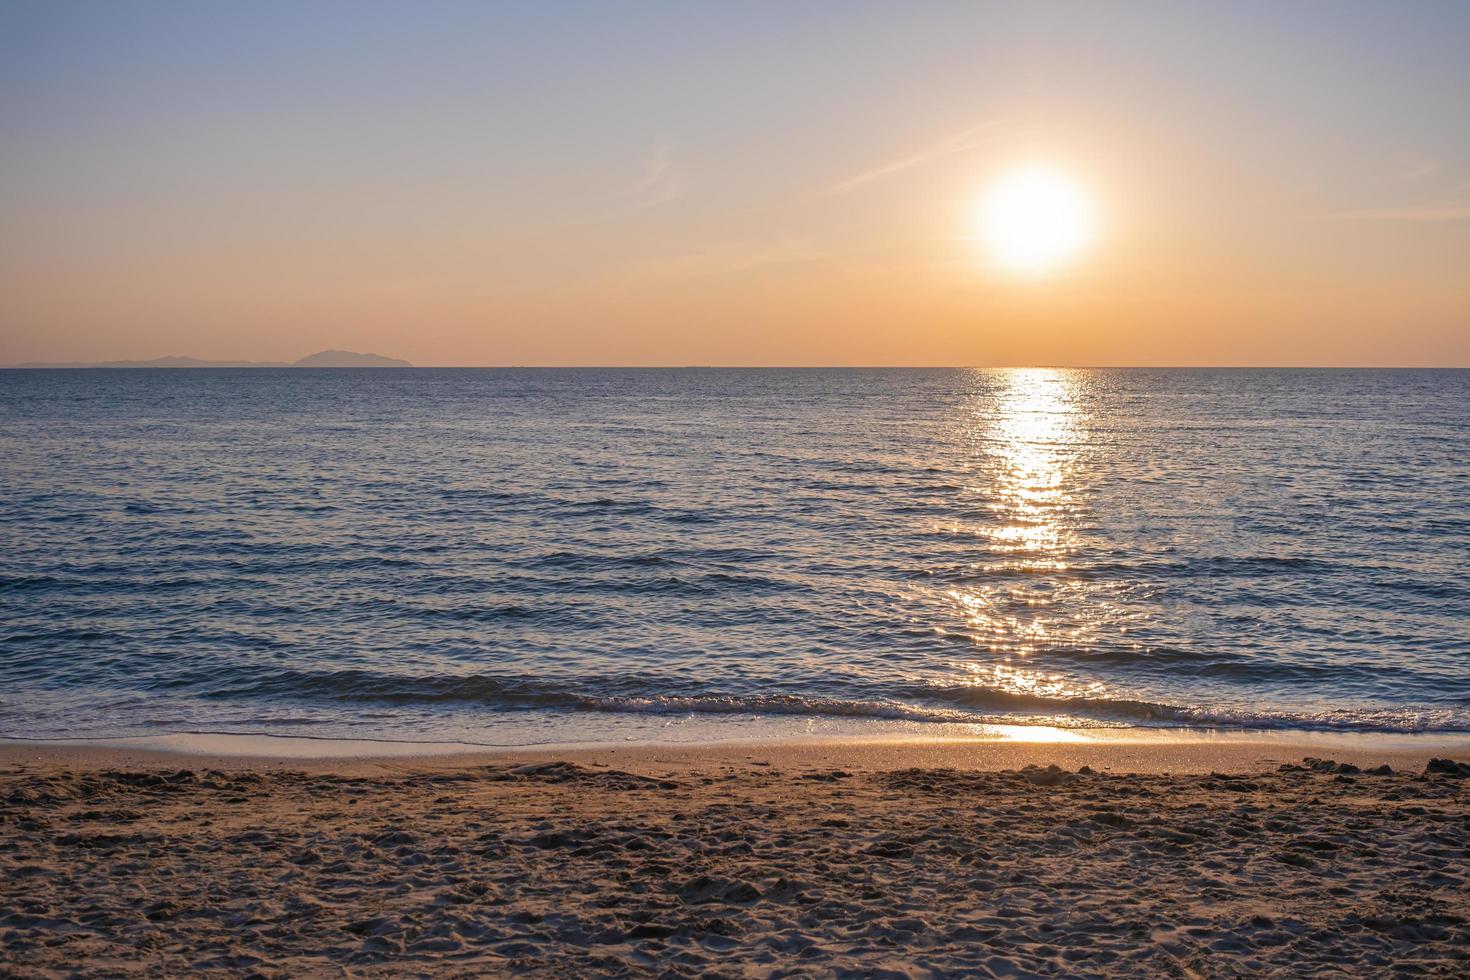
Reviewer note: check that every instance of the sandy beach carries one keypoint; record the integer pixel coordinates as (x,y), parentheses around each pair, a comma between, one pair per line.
(880,859)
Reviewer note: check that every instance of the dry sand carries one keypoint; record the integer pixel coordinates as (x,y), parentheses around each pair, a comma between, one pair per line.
(871,860)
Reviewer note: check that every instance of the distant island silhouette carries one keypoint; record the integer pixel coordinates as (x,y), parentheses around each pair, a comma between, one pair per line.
(321,359)
(347,358)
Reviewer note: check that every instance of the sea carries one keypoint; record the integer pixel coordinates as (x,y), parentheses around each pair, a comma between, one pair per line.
(510,557)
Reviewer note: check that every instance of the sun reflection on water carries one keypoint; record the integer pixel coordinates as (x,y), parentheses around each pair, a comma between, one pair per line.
(1037,422)
(1027,433)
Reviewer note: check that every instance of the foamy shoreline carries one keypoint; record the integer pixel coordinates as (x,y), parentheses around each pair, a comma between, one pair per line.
(986,747)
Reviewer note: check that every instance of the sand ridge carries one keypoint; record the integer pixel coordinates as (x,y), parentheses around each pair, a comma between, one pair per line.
(558,868)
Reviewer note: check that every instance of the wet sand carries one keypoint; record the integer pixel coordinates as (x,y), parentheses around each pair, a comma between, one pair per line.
(1224,858)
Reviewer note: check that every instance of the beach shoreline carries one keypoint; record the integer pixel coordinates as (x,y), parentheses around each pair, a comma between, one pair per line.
(1145,750)
(1182,857)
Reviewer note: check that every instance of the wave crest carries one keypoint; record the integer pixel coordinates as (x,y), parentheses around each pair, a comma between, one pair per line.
(962,704)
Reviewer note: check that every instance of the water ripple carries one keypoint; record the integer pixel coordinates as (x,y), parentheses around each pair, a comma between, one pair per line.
(376,552)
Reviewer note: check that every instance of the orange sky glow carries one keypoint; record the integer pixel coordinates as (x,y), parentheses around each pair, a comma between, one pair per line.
(715,186)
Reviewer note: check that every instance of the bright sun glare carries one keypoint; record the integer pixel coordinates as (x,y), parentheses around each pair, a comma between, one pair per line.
(1035,220)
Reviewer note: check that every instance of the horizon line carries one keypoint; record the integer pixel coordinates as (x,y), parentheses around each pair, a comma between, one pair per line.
(100,366)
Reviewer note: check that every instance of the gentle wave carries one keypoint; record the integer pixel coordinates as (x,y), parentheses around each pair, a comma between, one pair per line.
(1137,712)
(966,704)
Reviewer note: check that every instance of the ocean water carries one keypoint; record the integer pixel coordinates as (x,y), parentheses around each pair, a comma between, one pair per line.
(510,556)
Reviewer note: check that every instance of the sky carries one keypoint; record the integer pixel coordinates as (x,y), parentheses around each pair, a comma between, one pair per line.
(762,183)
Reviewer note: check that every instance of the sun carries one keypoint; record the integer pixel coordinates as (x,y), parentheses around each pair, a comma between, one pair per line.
(1036,220)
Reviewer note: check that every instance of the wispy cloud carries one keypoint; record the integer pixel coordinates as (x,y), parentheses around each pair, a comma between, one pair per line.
(662,180)
(1432,177)
(1443,211)
(960,142)
(715,261)
(1408,168)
